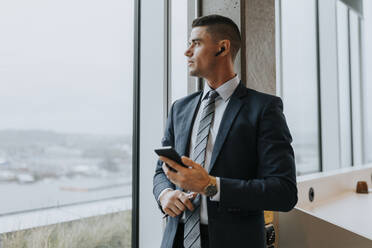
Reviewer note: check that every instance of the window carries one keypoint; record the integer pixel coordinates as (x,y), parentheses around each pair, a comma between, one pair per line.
(66,73)
(349,59)
(344,83)
(323,51)
(178,45)
(367,82)
(300,78)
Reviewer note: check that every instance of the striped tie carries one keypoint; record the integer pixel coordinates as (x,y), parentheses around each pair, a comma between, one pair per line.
(192,218)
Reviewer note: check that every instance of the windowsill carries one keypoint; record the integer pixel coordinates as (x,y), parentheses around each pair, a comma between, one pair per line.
(21,221)
(325,174)
(335,208)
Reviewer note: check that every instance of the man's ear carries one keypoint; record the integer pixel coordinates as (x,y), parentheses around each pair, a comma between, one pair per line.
(220,51)
(224,46)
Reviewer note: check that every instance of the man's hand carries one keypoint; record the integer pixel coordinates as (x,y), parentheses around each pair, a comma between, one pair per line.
(174,202)
(194,178)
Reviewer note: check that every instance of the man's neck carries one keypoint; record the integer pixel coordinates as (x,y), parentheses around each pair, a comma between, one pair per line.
(216,82)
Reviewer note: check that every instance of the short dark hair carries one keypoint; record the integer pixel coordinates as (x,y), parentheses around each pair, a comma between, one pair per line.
(221,28)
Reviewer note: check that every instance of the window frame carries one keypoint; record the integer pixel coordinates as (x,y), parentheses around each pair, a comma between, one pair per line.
(136,124)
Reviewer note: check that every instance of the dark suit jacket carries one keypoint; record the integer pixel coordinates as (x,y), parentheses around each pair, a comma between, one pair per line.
(254,159)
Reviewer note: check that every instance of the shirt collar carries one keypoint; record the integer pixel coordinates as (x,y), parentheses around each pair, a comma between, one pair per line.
(225,90)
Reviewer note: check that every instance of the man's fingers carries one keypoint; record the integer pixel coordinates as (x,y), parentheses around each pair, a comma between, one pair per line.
(180,205)
(189,162)
(192,195)
(169,212)
(186,201)
(169,173)
(175,209)
(172,164)
(174,177)
(165,169)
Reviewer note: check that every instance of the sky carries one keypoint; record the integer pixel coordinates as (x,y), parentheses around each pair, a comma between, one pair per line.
(67,66)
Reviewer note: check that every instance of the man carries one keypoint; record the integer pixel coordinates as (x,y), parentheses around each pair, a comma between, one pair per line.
(241,160)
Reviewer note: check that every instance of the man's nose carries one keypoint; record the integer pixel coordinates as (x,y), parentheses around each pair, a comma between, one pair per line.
(188,52)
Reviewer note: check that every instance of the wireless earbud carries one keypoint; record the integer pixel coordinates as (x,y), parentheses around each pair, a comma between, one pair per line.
(221,51)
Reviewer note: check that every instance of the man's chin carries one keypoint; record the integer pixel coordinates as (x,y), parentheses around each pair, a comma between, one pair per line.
(194,73)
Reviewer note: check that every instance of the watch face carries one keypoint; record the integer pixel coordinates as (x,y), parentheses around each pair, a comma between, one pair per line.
(211,190)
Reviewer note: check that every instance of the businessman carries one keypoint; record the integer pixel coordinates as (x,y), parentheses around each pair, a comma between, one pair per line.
(236,145)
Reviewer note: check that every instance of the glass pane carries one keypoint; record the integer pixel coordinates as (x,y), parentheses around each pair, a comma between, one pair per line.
(356,81)
(344,83)
(300,81)
(65,102)
(367,82)
(178,42)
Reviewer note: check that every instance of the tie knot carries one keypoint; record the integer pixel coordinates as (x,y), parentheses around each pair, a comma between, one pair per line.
(212,94)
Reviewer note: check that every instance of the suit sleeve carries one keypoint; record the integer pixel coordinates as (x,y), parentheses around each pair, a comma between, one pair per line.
(275,186)
(160,180)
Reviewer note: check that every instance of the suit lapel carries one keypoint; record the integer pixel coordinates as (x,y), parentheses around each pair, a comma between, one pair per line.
(228,118)
(188,117)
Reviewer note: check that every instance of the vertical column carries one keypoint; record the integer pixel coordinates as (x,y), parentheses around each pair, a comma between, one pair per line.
(230,9)
(259,61)
(152,110)
(259,42)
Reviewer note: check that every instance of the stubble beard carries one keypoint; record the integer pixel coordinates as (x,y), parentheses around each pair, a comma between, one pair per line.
(194,73)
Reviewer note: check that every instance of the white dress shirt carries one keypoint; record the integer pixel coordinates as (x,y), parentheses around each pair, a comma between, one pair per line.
(224,91)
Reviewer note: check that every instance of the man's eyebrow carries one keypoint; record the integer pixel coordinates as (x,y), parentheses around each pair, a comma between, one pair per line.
(194,40)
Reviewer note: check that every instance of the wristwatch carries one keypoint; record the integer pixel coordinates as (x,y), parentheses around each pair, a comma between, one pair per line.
(211,188)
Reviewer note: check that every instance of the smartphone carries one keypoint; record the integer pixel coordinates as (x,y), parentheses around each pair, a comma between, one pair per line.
(169,152)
